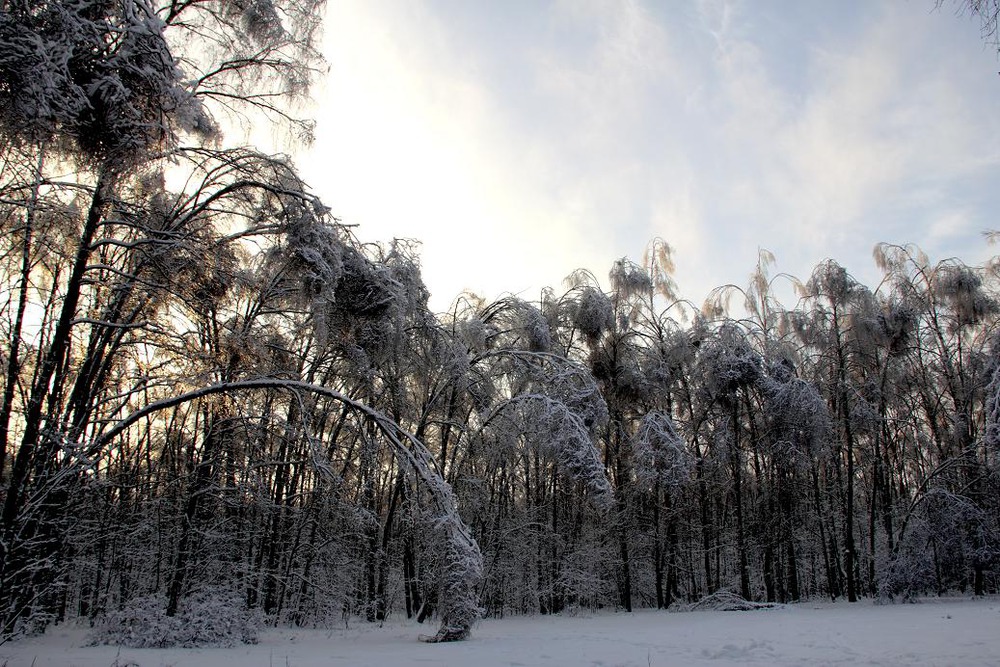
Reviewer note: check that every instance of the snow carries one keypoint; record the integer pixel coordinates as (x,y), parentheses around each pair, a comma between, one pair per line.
(947,631)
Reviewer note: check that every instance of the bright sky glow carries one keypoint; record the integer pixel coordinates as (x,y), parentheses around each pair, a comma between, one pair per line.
(521,140)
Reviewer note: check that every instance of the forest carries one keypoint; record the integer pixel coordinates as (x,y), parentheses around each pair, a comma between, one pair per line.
(218,403)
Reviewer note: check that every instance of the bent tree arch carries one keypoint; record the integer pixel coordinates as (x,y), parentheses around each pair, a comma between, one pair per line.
(556,413)
(462,563)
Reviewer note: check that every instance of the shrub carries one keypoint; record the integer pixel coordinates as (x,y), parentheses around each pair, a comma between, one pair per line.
(211,617)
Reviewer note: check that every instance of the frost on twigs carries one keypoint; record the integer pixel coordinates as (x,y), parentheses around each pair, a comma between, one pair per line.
(461,570)
(549,427)
(353,300)
(944,535)
(462,567)
(100,75)
(729,362)
(555,415)
(511,323)
(660,455)
(209,618)
(800,419)
(593,314)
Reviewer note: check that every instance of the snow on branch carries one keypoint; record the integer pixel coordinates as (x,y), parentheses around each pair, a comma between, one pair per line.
(463,563)
(661,457)
(592,313)
(729,362)
(548,426)
(100,75)
(800,416)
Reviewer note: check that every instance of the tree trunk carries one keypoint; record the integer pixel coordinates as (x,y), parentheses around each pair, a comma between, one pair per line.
(14,353)
(657,551)
(736,466)
(33,453)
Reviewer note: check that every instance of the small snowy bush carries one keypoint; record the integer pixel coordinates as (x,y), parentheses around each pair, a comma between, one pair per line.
(33,623)
(212,617)
(905,575)
(727,601)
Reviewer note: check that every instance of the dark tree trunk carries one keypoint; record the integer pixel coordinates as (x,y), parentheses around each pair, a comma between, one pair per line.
(36,450)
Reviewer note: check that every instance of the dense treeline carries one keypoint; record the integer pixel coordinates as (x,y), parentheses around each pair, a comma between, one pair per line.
(212,390)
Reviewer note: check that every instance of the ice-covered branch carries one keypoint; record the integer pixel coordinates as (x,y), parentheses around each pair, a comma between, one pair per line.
(462,568)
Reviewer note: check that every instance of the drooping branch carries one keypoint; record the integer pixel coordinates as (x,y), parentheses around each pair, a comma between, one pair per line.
(463,560)
(551,428)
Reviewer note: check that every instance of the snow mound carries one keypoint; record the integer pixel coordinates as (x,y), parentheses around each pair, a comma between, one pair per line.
(727,601)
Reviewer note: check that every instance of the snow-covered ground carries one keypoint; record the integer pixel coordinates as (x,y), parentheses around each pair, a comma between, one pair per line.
(935,632)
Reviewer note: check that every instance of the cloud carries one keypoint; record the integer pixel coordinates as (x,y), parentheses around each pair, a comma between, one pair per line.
(520,142)
(509,184)
(833,162)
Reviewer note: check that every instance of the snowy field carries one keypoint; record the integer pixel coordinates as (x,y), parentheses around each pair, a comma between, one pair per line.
(935,632)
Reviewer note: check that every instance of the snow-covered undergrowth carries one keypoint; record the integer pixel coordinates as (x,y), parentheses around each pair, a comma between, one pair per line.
(726,601)
(949,631)
(215,618)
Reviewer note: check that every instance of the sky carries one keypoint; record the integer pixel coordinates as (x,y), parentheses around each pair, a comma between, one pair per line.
(521,140)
